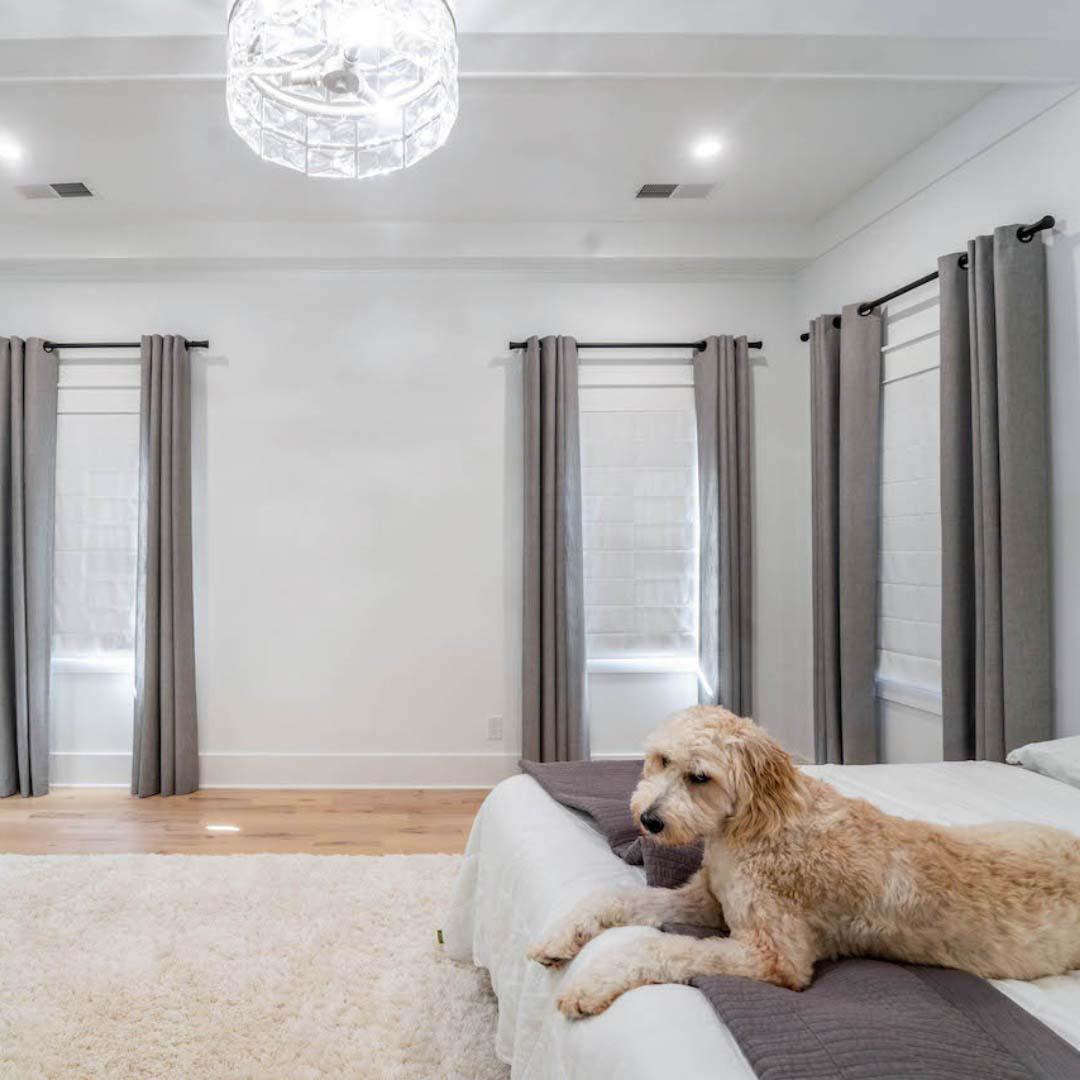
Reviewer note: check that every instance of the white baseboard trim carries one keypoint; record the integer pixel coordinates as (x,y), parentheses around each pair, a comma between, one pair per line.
(280,770)
(354,770)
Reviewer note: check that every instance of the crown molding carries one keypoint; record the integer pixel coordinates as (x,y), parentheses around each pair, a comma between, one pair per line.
(997,117)
(584,270)
(591,249)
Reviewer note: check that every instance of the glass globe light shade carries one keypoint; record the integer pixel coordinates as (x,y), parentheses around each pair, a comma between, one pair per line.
(342,88)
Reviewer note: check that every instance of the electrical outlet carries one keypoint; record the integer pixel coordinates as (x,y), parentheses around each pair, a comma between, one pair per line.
(495,732)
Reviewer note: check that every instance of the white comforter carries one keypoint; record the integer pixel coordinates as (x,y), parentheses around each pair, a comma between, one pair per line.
(529,859)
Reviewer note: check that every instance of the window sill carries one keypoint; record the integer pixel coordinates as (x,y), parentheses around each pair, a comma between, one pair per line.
(926,699)
(103,664)
(644,665)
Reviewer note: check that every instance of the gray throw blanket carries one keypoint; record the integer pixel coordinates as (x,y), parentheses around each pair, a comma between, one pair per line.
(859,1019)
(601,790)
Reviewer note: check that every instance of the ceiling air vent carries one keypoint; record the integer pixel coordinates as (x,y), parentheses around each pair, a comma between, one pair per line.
(693,191)
(657,191)
(675,191)
(72,189)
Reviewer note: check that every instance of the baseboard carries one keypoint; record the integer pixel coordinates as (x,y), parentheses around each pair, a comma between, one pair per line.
(278,770)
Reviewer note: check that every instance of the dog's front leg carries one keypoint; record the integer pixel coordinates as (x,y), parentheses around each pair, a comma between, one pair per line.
(672,958)
(692,903)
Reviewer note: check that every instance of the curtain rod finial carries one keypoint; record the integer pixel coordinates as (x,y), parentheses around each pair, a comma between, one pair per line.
(1026,233)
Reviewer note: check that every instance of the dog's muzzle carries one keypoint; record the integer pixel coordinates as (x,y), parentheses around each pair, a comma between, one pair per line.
(652,821)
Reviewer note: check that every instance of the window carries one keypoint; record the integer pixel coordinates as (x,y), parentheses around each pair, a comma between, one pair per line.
(97,493)
(909,580)
(639,505)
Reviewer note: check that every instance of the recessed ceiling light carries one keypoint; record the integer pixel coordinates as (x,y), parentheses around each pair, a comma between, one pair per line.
(10,151)
(222,828)
(708,147)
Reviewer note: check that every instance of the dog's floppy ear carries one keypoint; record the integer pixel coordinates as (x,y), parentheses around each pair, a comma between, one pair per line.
(770,788)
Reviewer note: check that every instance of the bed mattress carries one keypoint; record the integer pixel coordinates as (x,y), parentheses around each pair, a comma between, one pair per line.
(529,859)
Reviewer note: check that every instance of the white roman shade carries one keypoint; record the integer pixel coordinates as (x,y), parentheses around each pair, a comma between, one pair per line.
(909,580)
(97,494)
(639,505)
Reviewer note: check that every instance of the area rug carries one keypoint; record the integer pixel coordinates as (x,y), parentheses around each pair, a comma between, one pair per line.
(239,966)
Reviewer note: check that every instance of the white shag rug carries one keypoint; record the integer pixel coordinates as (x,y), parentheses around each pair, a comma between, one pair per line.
(237,966)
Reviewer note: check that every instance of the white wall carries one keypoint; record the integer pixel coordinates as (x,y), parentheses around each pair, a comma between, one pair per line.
(1031,170)
(357,528)
(357,442)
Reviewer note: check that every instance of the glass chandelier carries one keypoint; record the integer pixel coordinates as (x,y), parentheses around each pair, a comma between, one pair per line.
(342,88)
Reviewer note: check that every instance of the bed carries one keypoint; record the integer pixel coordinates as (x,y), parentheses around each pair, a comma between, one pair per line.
(529,859)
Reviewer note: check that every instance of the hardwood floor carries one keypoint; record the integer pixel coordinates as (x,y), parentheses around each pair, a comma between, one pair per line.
(100,821)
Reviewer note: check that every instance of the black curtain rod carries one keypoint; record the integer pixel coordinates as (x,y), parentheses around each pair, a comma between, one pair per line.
(697,346)
(1025,234)
(51,345)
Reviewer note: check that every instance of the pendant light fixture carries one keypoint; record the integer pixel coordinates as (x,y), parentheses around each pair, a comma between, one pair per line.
(342,88)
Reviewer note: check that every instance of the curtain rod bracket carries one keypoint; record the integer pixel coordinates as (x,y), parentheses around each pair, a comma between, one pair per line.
(836,326)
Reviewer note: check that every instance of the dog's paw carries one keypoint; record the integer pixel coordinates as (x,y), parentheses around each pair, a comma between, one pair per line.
(586,997)
(544,953)
(592,985)
(562,946)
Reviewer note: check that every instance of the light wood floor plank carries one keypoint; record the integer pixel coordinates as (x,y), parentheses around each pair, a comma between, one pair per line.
(103,821)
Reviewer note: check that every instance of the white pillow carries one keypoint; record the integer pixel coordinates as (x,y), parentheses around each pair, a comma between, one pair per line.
(1059,758)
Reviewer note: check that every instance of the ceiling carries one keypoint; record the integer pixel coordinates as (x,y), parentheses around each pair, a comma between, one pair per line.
(566,109)
(920,18)
(523,150)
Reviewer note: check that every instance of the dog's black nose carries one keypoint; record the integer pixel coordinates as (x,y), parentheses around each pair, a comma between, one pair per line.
(653,822)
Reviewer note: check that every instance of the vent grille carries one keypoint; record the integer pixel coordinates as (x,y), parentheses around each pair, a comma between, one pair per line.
(656,191)
(693,191)
(675,191)
(67,189)
(72,189)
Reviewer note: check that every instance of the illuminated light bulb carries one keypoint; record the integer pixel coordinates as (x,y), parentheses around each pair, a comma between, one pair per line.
(10,150)
(706,148)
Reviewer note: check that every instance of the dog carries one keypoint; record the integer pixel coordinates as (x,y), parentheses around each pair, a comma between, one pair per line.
(800,873)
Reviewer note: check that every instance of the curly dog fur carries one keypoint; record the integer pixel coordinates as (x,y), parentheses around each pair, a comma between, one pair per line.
(800,873)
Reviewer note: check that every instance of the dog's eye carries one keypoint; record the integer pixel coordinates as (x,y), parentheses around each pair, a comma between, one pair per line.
(697,778)
(664,763)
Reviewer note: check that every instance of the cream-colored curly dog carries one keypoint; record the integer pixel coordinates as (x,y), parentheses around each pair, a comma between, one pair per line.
(800,873)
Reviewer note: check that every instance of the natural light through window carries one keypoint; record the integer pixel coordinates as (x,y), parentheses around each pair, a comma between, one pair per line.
(639,504)
(97,493)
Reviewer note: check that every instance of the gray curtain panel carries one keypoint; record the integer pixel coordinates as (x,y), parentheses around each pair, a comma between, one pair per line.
(723,405)
(553,718)
(166,759)
(825,526)
(28,392)
(995,504)
(845,378)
